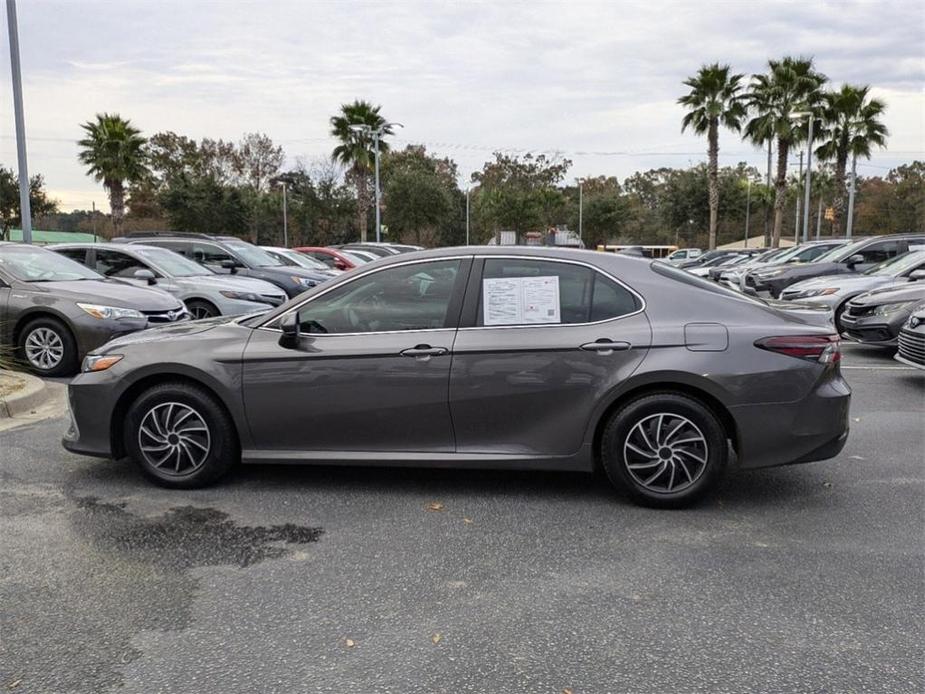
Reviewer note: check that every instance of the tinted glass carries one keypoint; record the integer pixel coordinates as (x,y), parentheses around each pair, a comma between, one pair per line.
(252,255)
(878,252)
(610,300)
(115,264)
(410,297)
(206,253)
(898,265)
(173,264)
(555,292)
(78,255)
(40,265)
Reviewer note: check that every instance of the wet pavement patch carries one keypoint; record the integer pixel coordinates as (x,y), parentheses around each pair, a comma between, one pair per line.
(187,536)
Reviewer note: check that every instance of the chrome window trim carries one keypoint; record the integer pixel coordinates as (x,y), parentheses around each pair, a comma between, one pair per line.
(593,268)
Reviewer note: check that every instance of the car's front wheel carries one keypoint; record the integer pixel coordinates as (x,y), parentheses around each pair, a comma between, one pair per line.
(180,436)
(200,308)
(48,347)
(665,449)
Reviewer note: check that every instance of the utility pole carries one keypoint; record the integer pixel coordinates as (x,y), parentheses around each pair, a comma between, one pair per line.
(25,208)
(376,134)
(796,223)
(580,211)
(748,209)
(806,183)
(467,215)
(854,178)
(93,218)
(285,217)
(767,208)
(818,219)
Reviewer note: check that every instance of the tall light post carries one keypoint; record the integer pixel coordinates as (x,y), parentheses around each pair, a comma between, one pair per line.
(25,208)
(748,209)
(284,185)
(580,210)
(809,168)
(376,133)
(467,215)
(796,222)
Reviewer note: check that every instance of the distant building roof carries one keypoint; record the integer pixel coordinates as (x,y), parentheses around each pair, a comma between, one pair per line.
(753,242)
(39,236)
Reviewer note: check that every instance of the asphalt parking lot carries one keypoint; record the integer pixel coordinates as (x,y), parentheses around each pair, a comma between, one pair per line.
(807,578)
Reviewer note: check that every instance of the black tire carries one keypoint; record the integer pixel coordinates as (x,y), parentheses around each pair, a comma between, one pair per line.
(188,464)
(633,428)
(200,308)
(40,330)
(838,314)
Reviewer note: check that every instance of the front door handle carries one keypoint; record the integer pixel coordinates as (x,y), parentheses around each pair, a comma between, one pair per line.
(605,346)
(423,352)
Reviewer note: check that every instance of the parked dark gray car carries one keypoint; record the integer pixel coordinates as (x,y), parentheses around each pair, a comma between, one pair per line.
(53,310)
(912,339)
(875,318)
(479,357)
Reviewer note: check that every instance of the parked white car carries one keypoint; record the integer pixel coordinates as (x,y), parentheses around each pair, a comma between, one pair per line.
(204,292)
(682,254)
(294,258)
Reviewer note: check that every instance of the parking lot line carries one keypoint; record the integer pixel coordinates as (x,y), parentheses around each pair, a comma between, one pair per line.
(881,368)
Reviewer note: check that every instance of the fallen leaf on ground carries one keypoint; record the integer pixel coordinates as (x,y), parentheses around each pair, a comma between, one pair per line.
(434,506)
(436,638)
(13,684)
(467,521)
(566,691)
(826,484)
(349,643)
(856,457)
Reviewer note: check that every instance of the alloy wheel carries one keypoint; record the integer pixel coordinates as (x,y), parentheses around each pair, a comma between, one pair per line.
(174,438)
(665,453)
(44,348)
(201,311)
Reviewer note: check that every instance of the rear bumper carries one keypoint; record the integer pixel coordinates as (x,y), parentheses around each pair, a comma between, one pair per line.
(815,428)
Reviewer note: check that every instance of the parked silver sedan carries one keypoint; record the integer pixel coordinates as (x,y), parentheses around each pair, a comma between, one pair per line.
(835,291)
(205,293)
(477,357)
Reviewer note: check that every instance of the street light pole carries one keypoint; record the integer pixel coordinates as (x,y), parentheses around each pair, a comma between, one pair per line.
(376,134)
(285,216)
(467,215)
(748,209)
(25,208)
(796,222)
(809,169)
(854,177)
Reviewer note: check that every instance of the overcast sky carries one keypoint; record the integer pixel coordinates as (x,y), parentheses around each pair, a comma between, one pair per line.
(596,81)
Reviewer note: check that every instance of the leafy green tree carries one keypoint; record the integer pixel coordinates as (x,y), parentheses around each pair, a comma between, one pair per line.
(714,99)
(205,206)
(892,204)
(114,152)
(791,86)
(853,126)
(355,150)
(10,213)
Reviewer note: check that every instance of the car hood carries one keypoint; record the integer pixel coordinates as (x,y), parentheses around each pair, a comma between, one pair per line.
(235,283)
(108,293)
(814,314)
(847,282)
(171,331)
(888,295)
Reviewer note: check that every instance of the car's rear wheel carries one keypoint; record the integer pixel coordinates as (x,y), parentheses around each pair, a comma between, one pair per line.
(180,436)
(48,347)
(665,449)
(200,308)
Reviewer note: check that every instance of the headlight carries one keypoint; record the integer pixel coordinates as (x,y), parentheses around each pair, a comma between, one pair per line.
(110,312)
(303,282)
(806,293)
(763,274)
(100,362)
(888,309)
(242,296)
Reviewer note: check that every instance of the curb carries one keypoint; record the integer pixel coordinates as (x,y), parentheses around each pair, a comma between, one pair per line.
(25,400)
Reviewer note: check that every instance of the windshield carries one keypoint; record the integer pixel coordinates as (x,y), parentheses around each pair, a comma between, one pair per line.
(251,255)
(39,265)
(301,259)
(354,258)
(172,264)
(839,253)
(893,267)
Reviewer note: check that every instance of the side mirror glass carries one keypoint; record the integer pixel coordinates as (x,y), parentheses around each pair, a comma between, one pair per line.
(231,265)
(917,275)
(289,326)
(146,275)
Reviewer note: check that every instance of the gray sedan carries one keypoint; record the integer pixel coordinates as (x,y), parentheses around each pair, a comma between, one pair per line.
(479,357)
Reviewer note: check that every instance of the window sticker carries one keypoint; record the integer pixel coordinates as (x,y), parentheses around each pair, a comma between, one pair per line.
(520,300)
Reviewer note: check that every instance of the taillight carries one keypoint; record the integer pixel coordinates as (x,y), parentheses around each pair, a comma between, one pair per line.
(821,348)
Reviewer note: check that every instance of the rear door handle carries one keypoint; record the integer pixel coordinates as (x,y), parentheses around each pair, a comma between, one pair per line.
(423,352)
(605,346)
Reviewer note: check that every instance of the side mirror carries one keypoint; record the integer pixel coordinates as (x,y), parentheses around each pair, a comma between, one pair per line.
(856,259)
(231,265)
(340,264)
(917,275)
(146,275)
(289,326)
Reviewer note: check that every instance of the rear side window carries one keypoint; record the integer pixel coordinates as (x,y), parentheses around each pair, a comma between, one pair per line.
(115,264)
(76,254)
(538,292)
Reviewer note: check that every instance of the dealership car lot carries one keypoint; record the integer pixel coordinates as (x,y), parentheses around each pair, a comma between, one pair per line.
(804,577)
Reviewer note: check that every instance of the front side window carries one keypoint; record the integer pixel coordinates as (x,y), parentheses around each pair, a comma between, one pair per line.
(538,292)
(78,255)
(115,264)
(878,252)
(207,254)
(408,297)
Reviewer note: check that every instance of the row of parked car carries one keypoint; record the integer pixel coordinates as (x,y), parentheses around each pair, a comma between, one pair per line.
(873,286)
(60,302)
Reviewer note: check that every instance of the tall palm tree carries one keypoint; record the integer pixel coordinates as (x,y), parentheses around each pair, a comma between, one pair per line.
(355,150)
(114,151)
(714,100)
(792,86)
(852,127)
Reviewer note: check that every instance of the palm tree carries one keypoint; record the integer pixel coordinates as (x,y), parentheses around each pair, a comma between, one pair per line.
(714,100)
(355,150)
(791,87)
(852,127)
(114,151)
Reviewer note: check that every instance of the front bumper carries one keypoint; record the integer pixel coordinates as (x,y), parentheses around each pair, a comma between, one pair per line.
(815,428)
(91,401)
(872,330)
